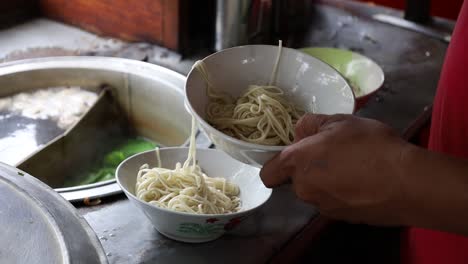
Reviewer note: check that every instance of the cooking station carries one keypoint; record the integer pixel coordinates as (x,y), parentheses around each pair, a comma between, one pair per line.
(285,227)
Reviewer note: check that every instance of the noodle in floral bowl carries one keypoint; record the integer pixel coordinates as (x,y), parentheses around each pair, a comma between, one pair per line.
(247,99)
(195,227)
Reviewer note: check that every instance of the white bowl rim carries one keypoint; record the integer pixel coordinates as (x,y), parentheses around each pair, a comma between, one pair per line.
(117,178)
(253,146)
(371,61)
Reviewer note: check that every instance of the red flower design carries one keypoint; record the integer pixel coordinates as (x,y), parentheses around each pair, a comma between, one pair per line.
(212,220)
(233,223)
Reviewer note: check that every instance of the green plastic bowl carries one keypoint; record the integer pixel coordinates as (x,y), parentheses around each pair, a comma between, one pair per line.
(362,73)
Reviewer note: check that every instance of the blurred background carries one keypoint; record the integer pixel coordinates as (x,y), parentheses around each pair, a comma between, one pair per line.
(184,26)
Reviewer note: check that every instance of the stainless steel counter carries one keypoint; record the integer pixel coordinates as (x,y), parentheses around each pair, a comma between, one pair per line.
(128,237)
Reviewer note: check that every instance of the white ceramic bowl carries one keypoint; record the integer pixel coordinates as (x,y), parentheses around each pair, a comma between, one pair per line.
(191,227)
(358,69)
(308,82)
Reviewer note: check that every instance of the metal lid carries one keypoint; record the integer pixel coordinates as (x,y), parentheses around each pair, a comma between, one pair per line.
(39,226)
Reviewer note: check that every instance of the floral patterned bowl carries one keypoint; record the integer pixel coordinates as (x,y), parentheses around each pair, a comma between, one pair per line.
(192,227)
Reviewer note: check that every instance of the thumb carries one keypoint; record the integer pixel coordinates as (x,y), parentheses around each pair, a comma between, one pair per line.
(277,170)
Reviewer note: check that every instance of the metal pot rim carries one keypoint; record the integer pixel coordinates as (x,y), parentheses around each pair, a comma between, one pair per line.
(119,65)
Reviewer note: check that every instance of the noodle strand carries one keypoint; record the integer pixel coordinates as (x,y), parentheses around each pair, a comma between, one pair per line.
(261,115)
(186,188)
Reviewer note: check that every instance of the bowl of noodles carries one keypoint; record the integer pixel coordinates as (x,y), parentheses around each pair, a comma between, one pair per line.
(192,195)
(248,99)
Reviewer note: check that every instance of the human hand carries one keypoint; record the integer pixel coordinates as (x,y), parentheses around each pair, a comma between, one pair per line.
(346,166)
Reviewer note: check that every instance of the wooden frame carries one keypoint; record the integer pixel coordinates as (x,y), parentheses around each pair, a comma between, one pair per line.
(154,21)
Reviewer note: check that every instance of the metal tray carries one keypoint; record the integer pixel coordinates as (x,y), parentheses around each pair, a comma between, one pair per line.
(39,226)
(150,96)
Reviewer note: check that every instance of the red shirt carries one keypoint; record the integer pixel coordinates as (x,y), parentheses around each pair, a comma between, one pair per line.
(449,134)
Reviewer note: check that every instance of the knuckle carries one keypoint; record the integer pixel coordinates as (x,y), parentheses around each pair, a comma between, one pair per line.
(290,154)
(306,126)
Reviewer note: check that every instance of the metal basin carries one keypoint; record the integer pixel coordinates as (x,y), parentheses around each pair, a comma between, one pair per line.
(39,226)
(149,96)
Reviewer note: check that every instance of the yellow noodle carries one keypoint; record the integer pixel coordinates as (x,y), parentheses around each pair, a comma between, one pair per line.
(261,115)
(186,188)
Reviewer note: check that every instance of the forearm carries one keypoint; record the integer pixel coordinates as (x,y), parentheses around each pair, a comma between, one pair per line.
(435,188)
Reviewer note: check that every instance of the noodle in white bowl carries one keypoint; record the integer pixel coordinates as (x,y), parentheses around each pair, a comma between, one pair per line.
(261,115)
(186,188)
(194,227)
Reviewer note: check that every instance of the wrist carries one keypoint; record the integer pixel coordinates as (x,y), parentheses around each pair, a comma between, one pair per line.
(405,202)
(433,190)
(409,199)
